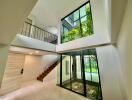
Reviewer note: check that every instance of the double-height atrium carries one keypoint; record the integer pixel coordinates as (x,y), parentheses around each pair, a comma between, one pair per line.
(65,50)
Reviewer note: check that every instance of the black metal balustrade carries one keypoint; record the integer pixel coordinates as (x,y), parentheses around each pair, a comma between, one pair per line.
(35,32)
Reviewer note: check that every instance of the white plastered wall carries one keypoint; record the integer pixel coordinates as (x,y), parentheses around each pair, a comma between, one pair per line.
(100,26)
(32,67)
(3,59)
(49,59)
(27,42)
(12,78)
(110,73)
(13,13)
(124,48)
(35,65)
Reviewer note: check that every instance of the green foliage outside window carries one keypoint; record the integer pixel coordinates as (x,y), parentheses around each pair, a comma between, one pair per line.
(92,66)
(83,28)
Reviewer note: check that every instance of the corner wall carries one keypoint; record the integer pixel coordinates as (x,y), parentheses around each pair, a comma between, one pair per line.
(124,48)
(3,59)
(110,73)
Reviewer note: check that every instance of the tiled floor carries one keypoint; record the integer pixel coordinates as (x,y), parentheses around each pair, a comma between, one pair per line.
(36,90)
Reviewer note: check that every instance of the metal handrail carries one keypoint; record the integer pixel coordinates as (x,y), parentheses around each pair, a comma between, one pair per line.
(36,32)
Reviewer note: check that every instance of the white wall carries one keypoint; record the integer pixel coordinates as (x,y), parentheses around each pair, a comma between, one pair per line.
(125,49)
(32,67)
(110,73)
(12,78)
(33,18)
(117,8)
(35,65)
(54,75)
(100,26)
(90,41)
(49,59)
(28,42)
(51,77)
(57,8)
(13,14)
(3,59)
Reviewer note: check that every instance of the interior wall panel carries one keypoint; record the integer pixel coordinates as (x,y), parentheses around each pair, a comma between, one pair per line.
(12,75)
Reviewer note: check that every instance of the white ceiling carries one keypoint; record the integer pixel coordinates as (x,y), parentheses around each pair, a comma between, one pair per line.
(29,51)
(49,12)
(13,13)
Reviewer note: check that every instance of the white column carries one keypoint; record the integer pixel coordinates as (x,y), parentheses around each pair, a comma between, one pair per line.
(110,73)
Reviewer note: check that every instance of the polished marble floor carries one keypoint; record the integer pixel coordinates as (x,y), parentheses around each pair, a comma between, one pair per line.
(35,90)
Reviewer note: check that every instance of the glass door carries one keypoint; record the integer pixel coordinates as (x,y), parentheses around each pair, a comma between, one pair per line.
(79,72)
(91,75)
(77,83)
(66,71)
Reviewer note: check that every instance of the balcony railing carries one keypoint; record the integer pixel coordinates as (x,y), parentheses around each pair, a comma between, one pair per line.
(35,32)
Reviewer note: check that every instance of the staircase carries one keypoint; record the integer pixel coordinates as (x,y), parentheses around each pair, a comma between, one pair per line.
(47,71)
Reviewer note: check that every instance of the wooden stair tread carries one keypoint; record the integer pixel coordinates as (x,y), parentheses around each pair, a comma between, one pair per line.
(47,71)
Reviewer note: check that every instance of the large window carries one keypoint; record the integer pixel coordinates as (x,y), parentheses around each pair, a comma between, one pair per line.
(79,72)
(78,24)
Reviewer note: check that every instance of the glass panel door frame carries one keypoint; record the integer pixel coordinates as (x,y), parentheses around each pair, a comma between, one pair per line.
(82,54)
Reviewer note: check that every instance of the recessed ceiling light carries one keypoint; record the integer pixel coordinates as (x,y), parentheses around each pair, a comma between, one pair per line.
(36,51)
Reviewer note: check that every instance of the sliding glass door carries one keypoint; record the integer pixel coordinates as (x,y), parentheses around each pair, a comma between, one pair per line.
(79,72)
(77,83)
(66,71)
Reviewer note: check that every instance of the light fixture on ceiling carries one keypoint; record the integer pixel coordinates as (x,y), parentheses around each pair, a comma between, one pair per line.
(37,52)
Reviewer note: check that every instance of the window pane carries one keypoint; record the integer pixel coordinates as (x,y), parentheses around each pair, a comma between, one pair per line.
(78,25)
(87,68)
(61,29)
(88,9)
(67,67)
(82,11)
(76,29)
(84,26)
(66,71)
(65,30)
(76,15)
(78,64)
(70,20)
(77,84)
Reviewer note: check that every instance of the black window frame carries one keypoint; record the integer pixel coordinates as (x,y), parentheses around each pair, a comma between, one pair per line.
(79,19)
